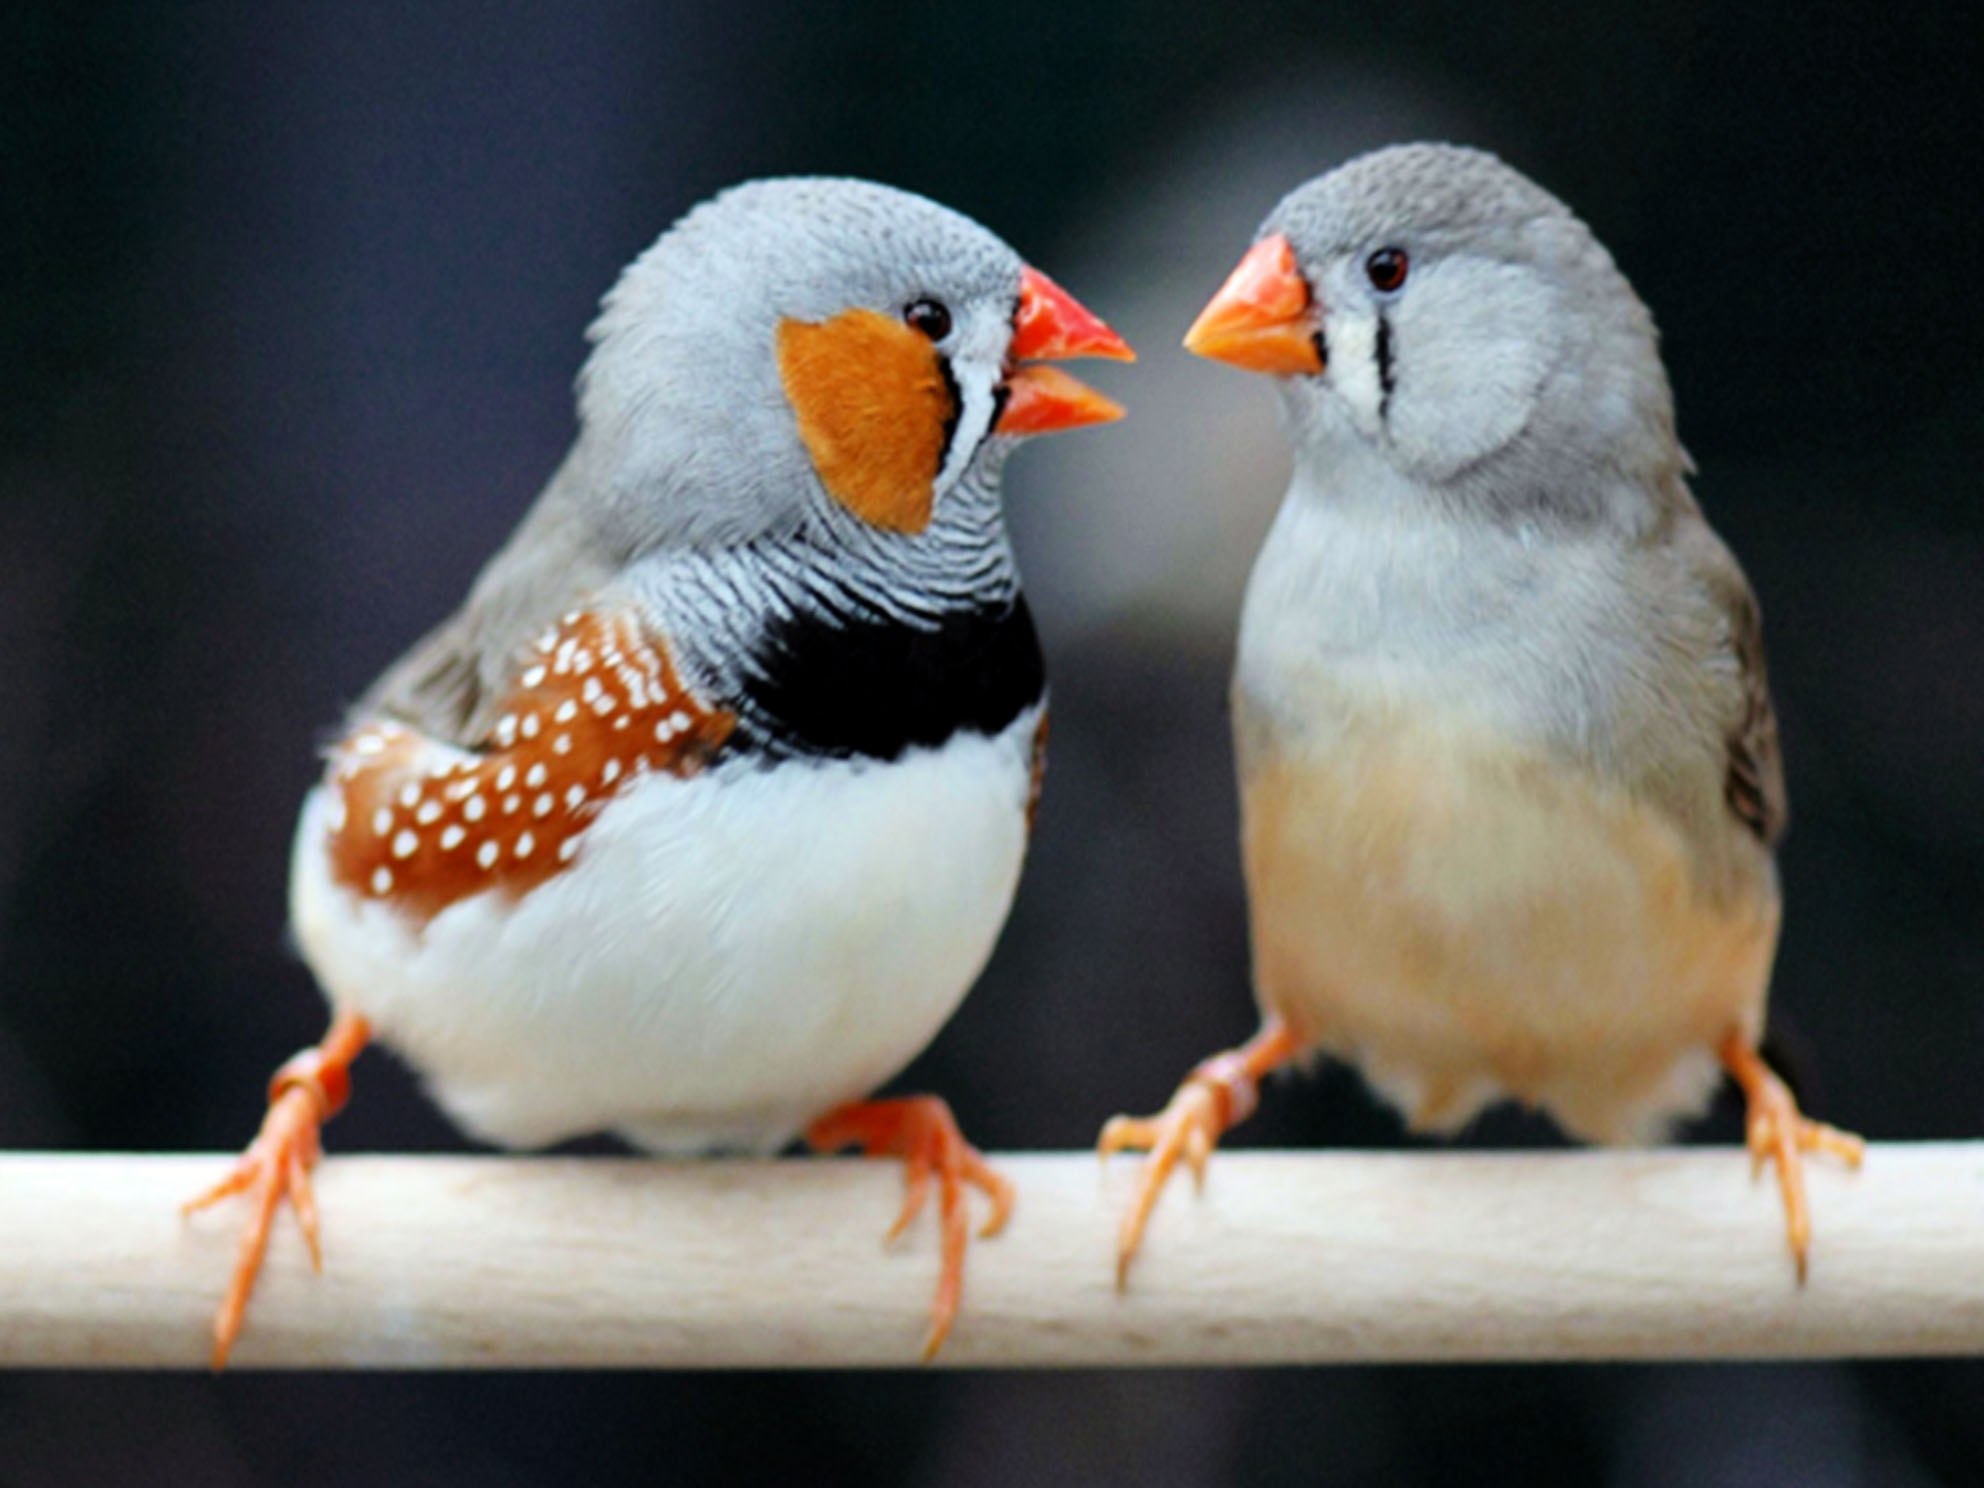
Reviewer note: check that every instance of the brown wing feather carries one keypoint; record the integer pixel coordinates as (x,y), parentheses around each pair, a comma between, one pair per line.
(1753,783)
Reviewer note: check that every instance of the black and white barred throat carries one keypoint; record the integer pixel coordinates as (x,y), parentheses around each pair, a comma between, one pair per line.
(846,642)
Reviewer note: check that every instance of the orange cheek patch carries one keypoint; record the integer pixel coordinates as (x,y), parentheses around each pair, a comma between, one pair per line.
(872,406)
(598,705)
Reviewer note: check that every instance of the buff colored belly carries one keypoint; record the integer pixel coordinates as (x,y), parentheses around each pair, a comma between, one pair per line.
(1465,924)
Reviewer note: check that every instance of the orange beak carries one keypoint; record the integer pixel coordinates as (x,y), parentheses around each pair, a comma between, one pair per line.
(1261,319)
(1051,325)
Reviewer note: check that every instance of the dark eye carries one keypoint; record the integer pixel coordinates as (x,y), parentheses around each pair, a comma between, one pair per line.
(929,317)
(1386,269)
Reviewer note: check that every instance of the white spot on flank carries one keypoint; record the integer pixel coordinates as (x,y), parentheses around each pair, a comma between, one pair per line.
(571,617)
(506,777)
(534,677)
(428,814)
(589,692)
(678,720)
(582,659)
(405,843)
(382,821)
(506,731)
(335,818)
(664,731)
(369,744)
(530,726)
(604,704)
(485,855)
(568,849)
(525,844)
(610,773)
(409,796)
(542,806)
(382,880)
(473,808)
(622,721)
(451,836)
(511,803)
(534,776)
(575,798)
(562,744)
(566,711)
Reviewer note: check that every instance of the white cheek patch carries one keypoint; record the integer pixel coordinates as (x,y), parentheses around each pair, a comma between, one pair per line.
(1351,341)
(977,403)
(977,360)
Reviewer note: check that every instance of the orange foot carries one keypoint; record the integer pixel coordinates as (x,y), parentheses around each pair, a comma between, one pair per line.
(1779,1133)
(305,1093)
(921,1130)
(1216,1097)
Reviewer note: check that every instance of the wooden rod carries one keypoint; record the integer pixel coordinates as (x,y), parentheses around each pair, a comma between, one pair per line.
(478,1262)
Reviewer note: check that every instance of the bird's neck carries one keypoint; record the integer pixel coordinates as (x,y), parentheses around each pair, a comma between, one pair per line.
(845,641)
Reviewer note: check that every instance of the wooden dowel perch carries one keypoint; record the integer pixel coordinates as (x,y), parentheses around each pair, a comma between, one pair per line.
(1288,1257)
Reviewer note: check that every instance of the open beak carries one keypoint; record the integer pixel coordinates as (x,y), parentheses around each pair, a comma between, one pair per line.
(1052,326)
(1261,320)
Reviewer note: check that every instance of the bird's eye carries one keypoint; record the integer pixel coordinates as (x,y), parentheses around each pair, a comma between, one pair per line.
(929,317)
(1386,269)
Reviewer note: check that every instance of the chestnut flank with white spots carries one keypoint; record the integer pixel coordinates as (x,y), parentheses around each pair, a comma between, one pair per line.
(410,822)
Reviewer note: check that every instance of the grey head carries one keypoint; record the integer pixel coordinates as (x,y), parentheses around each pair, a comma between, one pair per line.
(816,355)
(687,432)
(1461,323)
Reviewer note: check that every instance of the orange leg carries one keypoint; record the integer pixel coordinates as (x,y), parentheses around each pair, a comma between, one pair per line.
(921,1130)
(1216,1097)
(1778,1133)
(305,1093)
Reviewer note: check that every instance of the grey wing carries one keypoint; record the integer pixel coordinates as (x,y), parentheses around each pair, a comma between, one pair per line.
(449,686)
(438,687)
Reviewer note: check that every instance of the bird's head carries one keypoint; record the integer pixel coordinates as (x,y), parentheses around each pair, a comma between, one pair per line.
(1428,303)
(806,348)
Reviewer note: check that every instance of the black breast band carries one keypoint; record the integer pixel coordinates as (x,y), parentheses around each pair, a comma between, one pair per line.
(828,685)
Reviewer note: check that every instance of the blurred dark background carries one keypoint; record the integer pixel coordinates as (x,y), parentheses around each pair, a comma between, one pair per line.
(292,305)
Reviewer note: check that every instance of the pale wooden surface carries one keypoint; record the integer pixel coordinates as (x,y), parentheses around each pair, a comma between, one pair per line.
(1323,1256)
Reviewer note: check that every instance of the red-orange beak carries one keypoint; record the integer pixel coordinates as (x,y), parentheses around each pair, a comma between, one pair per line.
(1051,326)
(1261,318)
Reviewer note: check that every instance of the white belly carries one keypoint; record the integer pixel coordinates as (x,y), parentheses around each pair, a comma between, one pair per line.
(729,956)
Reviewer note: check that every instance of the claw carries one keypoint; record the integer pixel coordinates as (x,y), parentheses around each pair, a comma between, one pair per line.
(275,1166)
(916,1192)
(306,1092)
(1775,1131)
(1187,1127)
(1216,1097)
(922,1132)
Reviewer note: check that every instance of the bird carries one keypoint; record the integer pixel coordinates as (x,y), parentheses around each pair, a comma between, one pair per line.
(1510,777)
(698,818)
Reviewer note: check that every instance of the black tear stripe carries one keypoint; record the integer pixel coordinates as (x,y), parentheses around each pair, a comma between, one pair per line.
(830,686)
(955,402)
(1384,367)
